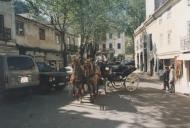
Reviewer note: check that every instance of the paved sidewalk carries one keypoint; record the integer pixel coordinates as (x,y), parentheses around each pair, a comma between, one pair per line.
(151,81)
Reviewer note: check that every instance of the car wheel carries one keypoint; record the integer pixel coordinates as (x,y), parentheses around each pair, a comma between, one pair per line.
(117,85)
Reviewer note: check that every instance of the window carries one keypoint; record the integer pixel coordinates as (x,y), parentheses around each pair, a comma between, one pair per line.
(167,62)
(137,45)
(16,63)
(169,37)
(188,69)
(118,35)
(104,46)
(58,39)
(161,39)
(125,33)
(188,31)
(110,46)
(150,39)
(1,23)
(110,36)
(42,34)
(43,67)
(118,46)
(19,28)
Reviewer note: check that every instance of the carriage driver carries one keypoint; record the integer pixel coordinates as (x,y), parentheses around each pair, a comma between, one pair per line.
(100,58)
(101,61)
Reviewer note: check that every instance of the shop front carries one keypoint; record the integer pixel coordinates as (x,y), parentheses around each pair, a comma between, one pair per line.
(183,73)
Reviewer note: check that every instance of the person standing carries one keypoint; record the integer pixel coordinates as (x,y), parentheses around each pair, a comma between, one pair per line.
(172,78)
(166,78)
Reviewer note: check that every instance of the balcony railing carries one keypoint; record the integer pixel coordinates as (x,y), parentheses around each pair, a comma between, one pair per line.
(6,34)
(185,44)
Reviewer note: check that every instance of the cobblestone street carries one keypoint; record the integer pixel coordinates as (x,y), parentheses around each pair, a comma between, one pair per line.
(148,107)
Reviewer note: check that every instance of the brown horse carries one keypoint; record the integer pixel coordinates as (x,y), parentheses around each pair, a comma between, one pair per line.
(92,75)
(76,79)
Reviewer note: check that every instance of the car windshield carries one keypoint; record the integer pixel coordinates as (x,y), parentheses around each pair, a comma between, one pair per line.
(43,67)
(20,63)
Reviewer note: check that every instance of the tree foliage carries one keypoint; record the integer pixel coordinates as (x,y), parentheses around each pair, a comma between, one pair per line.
(91,19)
(20,7)
(127,15)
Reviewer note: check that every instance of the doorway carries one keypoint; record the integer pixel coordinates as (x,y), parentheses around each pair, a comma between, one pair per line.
(152,67)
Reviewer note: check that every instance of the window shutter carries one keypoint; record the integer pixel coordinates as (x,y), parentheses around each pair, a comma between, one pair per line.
(1,23)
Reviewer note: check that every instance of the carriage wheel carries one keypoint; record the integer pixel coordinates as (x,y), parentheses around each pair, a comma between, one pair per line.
(117,85)
(131,84)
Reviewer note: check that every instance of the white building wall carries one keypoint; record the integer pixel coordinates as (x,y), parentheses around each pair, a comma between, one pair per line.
(174,21)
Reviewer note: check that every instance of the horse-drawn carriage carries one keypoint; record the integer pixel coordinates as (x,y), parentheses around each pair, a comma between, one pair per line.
(120,77)
(91,74)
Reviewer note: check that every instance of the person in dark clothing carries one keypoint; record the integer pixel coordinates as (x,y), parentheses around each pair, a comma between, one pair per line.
(166,78)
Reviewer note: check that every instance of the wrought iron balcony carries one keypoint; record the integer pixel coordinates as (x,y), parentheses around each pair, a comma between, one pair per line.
(5,35)
(185,44)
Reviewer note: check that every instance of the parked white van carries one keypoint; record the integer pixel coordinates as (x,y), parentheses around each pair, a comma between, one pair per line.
(17,71)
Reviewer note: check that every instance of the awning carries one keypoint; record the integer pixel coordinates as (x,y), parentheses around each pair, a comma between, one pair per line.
(184,57)
(166,56)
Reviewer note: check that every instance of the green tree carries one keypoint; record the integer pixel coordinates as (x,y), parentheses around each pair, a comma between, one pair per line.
(91,19)
(127,15)
(90,22)
(20,7)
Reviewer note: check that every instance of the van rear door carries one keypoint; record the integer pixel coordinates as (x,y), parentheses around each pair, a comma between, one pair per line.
(22,72)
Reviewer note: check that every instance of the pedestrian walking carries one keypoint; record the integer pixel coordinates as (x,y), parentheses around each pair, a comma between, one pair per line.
(172,78)
(166,78)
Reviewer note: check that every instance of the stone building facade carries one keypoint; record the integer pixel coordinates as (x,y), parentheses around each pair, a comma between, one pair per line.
(7,25)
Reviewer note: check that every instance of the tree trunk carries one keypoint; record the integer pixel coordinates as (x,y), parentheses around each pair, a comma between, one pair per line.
(63,49)
(82,47)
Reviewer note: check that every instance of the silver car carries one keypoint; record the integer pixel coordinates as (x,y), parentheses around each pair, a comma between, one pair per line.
(17,71)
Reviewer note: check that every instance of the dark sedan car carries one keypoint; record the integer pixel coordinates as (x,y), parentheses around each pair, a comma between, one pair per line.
(50,78)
